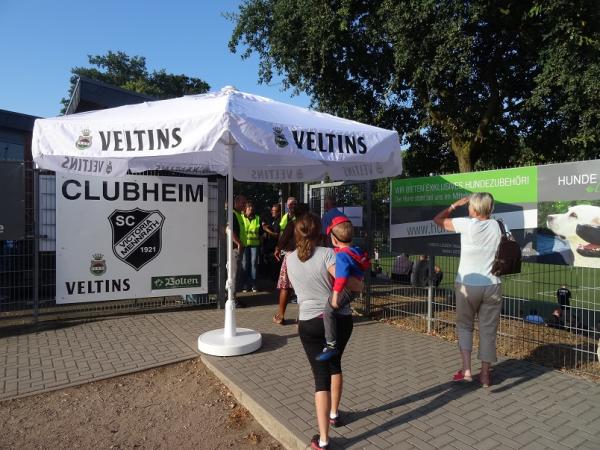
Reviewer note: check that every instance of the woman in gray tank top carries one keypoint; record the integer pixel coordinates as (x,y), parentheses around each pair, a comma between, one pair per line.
(310,269)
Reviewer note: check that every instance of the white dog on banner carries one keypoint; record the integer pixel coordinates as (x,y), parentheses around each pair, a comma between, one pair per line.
(580,226)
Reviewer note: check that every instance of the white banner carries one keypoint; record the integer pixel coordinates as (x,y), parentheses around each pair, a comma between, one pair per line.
(130,237)
(516,220)
(354,213)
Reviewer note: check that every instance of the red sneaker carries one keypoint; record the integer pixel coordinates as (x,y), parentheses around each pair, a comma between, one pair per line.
(460,376)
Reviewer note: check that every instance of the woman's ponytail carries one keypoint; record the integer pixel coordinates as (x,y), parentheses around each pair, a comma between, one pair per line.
(307,233)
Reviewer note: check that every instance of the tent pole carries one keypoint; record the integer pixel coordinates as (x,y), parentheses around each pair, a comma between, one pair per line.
(230,326)
(227,341)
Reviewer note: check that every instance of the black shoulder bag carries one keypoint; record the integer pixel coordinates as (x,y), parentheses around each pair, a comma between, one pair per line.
(508,255)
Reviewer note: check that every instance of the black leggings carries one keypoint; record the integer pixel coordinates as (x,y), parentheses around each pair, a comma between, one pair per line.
(312,336)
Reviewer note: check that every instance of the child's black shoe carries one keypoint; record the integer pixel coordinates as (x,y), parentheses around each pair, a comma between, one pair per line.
(314,443)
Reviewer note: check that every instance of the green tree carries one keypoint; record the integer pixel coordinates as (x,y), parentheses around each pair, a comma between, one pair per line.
(264,195)
(473,84)
(130,72)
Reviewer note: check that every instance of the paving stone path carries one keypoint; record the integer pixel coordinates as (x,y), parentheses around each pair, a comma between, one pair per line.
(397,393)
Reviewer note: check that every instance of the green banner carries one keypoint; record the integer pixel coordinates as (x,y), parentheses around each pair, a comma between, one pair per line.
(517,185)
(176,282)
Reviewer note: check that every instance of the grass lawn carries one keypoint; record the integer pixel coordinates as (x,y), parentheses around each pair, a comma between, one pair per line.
(536,283)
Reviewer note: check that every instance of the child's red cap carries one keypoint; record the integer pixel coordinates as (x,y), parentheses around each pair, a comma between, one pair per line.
(336,221)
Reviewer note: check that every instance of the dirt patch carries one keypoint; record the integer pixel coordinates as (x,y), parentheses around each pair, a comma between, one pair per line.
(180,406)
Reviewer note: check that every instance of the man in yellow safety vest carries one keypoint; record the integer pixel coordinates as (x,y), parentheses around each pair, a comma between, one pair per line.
(252,232)
(289,215)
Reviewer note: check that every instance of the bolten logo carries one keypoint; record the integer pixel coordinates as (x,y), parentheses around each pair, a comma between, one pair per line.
(97,264)
(109,167)
(280,139)
(85,140)
(136,235)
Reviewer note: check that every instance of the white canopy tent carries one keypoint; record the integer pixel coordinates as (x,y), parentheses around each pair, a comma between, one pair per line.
(226,132)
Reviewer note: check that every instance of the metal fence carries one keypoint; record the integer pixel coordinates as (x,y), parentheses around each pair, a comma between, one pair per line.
(356,195)
(530,328)
(28,265)
(532,324)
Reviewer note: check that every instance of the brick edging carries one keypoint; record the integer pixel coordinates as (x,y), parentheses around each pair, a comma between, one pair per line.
(285,436)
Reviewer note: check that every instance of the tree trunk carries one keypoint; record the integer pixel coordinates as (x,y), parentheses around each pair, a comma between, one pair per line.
(463,151)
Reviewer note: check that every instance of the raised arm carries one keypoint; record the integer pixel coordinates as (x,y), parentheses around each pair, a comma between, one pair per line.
(443,220)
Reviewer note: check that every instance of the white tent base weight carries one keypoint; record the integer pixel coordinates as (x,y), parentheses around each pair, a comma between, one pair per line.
(217,344)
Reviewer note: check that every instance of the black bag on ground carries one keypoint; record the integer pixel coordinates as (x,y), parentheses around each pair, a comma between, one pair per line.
(508,255)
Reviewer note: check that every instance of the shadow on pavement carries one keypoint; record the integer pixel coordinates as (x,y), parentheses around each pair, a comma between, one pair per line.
(440,396)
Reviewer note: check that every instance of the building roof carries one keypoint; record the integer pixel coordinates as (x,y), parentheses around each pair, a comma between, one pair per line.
(91,95)
(16,121)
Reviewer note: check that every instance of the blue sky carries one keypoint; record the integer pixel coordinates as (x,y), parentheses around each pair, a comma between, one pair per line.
(42,40)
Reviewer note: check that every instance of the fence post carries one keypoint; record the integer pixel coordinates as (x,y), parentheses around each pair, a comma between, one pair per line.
(430,287)
(36,245)
(369,245)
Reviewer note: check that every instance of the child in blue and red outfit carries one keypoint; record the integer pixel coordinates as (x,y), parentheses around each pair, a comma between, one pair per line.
(349,262)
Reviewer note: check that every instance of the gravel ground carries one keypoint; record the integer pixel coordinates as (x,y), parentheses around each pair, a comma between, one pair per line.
(179,406)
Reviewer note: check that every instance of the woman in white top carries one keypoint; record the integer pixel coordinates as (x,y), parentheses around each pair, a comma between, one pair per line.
(478,291)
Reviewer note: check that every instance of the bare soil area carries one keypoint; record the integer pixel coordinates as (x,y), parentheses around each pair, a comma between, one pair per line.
(180,406)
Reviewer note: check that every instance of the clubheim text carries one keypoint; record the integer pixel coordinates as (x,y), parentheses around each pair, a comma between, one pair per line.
(139,140)
(130,191)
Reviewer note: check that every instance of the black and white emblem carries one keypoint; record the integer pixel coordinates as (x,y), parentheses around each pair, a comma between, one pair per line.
(279,137)
(136,235)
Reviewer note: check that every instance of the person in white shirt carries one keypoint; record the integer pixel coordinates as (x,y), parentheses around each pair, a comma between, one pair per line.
(478,291)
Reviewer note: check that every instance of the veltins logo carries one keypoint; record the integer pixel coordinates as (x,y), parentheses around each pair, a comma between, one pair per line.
(279,137)
(136,235)
(98,264)
(85,140)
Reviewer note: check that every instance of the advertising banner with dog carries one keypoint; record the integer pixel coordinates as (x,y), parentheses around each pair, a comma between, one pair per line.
(553,211)
(131,237)
(569,213)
